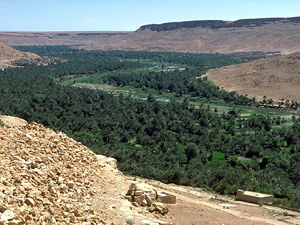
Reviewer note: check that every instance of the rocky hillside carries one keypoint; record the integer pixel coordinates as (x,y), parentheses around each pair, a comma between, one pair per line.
(9,54)
(276,78)
(48,178)
(247,35)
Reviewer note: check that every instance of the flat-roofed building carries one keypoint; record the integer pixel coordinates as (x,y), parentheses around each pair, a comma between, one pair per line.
(166,198)
(253,197)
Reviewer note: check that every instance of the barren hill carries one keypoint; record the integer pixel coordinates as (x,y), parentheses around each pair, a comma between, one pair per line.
(276,78)
(247,35)
(9,54)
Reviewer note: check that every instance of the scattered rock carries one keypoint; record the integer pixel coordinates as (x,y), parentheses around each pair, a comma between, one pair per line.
(8,215)
(148,199)
(129,198)
(139,197)
(135,204)
(70,184)
(132,187)
(138,192)
(40,167)
(144,203)
(159,207)
(30,201)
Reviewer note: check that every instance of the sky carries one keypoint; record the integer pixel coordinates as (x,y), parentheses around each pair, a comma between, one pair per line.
(129,15)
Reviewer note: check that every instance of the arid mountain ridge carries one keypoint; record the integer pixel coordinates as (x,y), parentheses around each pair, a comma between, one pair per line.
(211,36)
(217,24)
(204,36)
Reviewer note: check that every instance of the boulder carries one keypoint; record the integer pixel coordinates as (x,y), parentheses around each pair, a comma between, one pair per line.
(144,203)
(139,199)
(148,199)
(159,207)
(11,218)
(128,197)
(138,192)
(8,215)
(30,202)
(132,187)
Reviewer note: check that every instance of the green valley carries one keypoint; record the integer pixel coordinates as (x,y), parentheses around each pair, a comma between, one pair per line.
(198,134)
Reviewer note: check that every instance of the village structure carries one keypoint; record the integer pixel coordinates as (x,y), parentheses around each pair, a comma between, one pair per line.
(253,197)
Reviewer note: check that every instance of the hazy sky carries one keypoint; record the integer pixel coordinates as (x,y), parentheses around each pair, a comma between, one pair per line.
(128,15)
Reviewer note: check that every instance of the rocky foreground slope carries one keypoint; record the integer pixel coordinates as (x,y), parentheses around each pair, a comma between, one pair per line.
(246,35)
(276,78)
(48,178)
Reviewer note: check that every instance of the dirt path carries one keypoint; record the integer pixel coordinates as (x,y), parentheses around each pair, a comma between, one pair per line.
(195,206)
